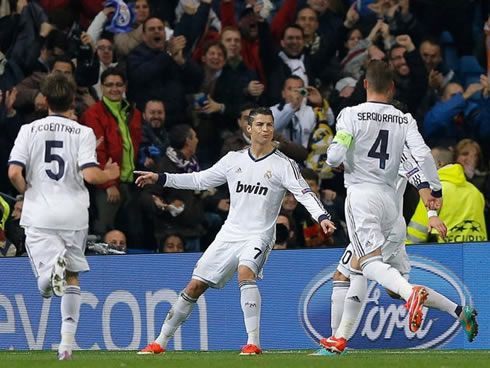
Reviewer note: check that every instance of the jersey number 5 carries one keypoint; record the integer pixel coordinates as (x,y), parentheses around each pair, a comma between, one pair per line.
(382,143)
(50,157)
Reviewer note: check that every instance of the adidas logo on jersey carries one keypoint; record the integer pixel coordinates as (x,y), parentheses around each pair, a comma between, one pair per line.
(252,189)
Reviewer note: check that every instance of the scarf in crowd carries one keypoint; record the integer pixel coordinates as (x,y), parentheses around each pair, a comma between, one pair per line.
(185,166)
(296,65)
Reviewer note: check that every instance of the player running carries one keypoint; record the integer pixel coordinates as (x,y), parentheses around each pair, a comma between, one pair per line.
(57,154)
(369,142)
(350,286)
(258,177)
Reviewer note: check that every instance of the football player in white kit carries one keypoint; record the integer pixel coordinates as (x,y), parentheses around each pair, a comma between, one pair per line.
(350,286)
(57,154)
(369,142)
(257,177)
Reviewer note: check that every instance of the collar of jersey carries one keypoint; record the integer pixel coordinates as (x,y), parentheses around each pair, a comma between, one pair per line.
(379,102)
(262,158)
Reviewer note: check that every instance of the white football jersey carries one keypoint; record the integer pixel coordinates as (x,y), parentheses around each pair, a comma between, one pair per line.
(257,188)
(53,151)
(379,133)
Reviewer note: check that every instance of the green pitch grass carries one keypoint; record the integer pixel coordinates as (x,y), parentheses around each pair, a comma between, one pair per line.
(270,359)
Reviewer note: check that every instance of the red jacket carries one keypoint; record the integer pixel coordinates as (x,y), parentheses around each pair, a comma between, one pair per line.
(104,124)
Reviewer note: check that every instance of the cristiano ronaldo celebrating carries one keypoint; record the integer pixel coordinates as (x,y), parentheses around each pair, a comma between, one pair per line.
(257,177)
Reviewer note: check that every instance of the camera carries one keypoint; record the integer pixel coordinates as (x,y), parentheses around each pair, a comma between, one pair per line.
(303,92)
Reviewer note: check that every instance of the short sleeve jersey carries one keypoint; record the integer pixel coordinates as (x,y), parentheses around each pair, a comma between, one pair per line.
(54,151)
(379,132)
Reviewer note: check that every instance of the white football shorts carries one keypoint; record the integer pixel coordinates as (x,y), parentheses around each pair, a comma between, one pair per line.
(371,213)
(393,251)
(220,261)
(44,246)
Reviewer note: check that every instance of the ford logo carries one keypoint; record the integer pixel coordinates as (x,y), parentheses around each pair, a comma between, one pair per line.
(383,319)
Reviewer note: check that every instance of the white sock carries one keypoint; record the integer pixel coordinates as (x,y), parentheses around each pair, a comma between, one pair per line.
(439,301)
(251,303)
(339,290)
(70,313)
(385,275)
(178,314)
(353,303)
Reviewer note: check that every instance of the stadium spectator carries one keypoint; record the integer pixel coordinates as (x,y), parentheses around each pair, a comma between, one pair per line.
(462,210)
(55,212)
(119,124)
(173,243)
(222,97)
(231,39)
(285,233)
(105,52)
(30,101)
(329,18)
(154,135)
(241,138)
(410,73)
(247,237)
(124,43)
(117,239)
(23,31)
(457,115)
(157,68)
(198,23)
(7,248)
(294,119)
(177,210)
(316,44)
(249,22)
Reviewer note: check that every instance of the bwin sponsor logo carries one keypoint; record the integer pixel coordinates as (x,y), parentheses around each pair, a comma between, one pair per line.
(384,319)
(252,189)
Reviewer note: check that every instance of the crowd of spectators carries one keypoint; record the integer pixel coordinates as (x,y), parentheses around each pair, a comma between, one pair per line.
(173,92)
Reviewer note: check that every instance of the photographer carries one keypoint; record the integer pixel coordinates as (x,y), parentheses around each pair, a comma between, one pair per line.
(294,118)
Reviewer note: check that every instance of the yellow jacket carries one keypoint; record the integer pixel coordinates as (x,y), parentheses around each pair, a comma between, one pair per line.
(462,211)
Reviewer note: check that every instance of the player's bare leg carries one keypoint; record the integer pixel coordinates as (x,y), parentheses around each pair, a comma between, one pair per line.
(178,314)
(251,304)
(70,314)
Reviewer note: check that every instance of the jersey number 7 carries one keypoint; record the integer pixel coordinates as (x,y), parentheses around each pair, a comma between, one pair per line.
(381,142)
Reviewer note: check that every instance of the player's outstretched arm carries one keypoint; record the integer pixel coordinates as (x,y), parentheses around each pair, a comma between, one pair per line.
(328,226)
(145,177)
(16,178)
(95,175)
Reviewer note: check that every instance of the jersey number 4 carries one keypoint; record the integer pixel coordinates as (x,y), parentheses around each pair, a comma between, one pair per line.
(49,156)
(382,143)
